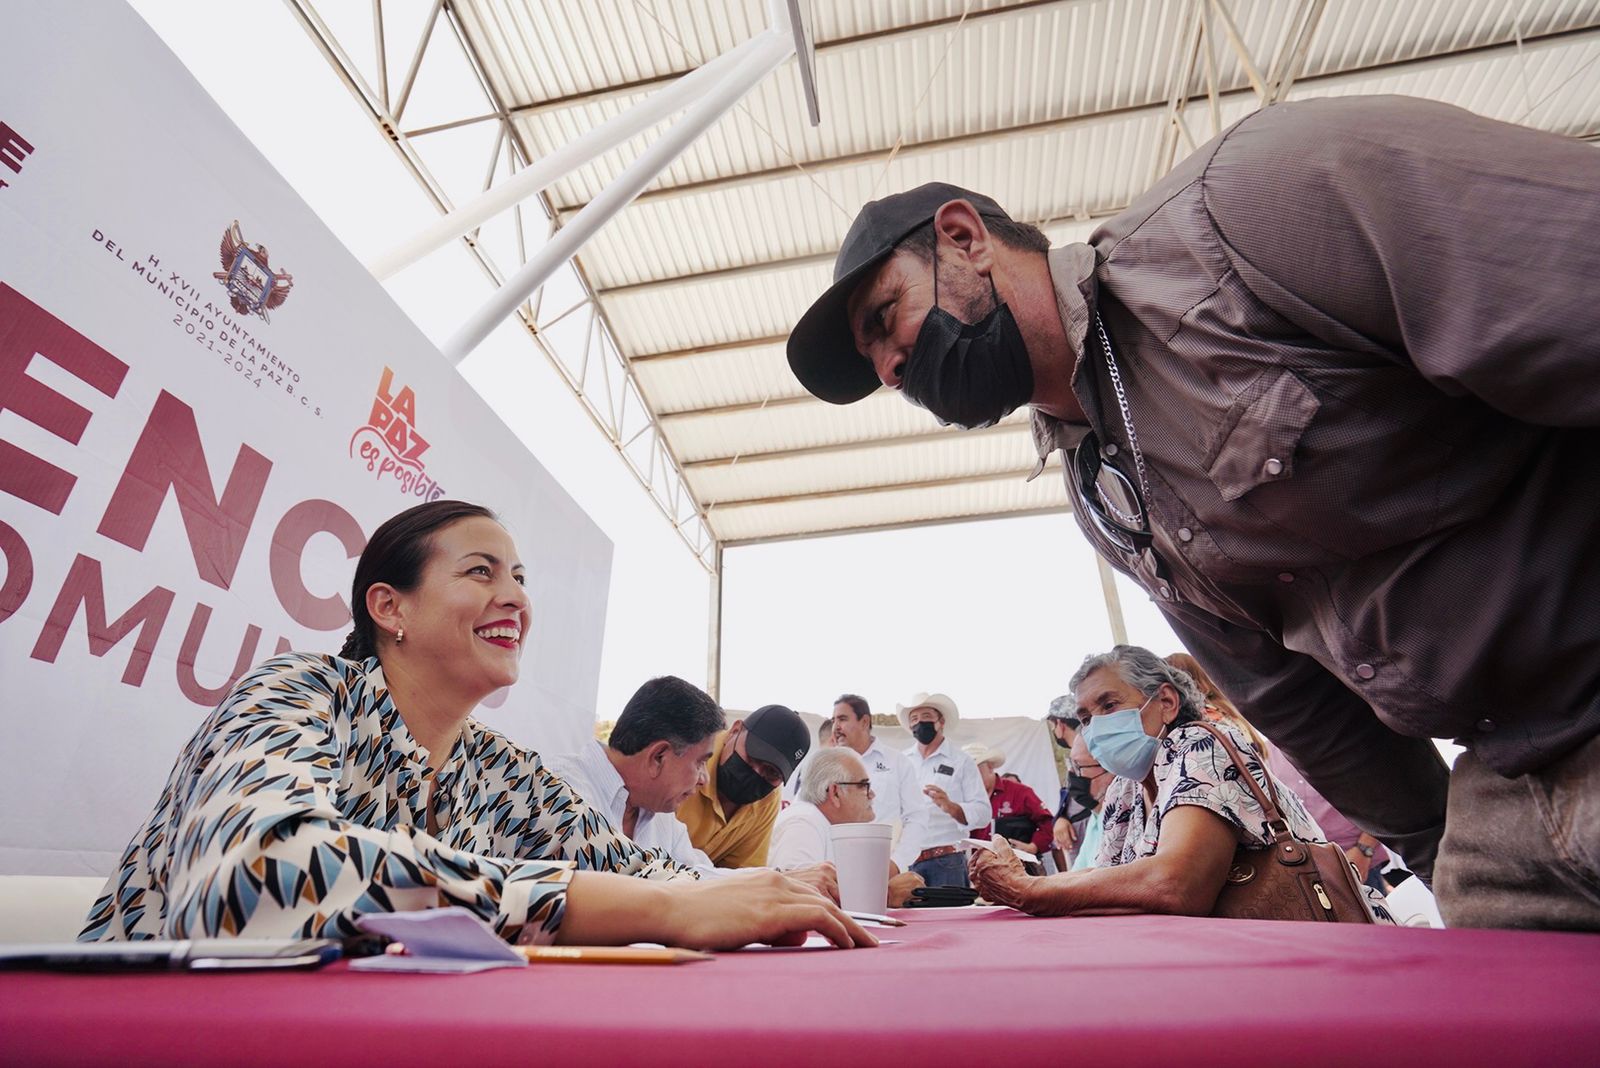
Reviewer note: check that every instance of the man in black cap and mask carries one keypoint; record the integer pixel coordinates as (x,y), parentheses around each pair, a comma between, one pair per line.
(1328,393)
(730,816)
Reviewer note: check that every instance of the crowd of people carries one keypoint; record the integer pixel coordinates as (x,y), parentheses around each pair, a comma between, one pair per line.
(1319,391)
(324,787)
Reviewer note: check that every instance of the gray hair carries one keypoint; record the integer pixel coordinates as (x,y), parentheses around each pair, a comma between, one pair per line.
(827,767)
(1147,673)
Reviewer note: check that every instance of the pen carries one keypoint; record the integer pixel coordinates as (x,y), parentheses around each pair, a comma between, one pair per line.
(609,955)
(873,919)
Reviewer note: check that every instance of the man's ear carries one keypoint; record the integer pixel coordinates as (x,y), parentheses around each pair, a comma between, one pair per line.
(383,605)
(655,757)
(958,225)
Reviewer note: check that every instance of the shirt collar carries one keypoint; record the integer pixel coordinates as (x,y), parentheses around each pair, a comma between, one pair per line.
(1072,276)
(401,741)
(605,777)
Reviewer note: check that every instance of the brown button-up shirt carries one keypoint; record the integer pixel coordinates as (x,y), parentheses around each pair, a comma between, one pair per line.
(1360,344)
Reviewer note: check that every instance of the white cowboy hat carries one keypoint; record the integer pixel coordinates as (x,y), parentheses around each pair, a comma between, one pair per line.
(982,754)
(937,701)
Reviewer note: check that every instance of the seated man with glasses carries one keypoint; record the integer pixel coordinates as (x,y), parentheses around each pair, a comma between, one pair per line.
(833,789)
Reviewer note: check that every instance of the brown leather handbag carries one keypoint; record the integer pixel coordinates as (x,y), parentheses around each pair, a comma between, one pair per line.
(1293,880)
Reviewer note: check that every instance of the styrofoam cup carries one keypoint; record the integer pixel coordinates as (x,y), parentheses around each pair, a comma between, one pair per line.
(861,853)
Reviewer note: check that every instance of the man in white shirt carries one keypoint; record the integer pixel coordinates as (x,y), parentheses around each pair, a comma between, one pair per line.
(897,793)
(835,789)
(954,801)
(655,758)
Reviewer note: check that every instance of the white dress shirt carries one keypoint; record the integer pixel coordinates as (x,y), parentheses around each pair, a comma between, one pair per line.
(948,768)
(897,798)
(590,772)
(801,836)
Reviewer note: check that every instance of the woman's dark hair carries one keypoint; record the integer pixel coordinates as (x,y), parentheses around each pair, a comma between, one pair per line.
(396,554)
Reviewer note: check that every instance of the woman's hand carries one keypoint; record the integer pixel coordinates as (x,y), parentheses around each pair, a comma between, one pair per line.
(755,906)
(999,877)
(1064,838)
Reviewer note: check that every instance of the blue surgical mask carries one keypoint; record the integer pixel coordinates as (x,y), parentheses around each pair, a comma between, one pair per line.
(1118,741)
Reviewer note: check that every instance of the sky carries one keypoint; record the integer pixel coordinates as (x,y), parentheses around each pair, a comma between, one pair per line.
(997,614)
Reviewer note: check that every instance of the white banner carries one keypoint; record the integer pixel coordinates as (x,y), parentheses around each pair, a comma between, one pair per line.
(206,404)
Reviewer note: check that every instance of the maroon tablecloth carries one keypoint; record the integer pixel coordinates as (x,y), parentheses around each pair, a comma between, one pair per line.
(985,987)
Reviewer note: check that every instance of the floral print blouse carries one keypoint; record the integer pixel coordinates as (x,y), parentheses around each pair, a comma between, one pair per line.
(1192,768)
(302,802)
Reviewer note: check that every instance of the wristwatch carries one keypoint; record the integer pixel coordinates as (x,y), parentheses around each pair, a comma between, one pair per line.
(1366,850)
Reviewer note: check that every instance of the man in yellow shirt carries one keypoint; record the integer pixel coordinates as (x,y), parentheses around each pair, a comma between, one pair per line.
(730,816)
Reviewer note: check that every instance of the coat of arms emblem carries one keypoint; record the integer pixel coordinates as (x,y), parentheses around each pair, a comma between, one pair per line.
(253,287)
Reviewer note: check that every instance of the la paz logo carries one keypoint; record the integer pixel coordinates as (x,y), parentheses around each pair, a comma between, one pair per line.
(390,444)
(253,286)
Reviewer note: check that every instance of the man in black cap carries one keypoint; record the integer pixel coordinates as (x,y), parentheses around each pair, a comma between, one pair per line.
(730,815)
(1328,391)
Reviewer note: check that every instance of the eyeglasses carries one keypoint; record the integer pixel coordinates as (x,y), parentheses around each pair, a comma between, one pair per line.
(1108,499)
(865,784)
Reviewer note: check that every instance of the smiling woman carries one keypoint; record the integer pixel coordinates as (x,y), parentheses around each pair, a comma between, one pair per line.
(326,787)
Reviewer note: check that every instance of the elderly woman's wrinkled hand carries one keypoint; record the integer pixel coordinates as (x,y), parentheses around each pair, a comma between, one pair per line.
(999,877)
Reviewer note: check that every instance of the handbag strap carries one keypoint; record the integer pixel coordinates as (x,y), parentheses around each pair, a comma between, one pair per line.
(1289,847)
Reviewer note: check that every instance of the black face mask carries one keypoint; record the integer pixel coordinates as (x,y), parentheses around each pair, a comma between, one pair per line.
(972,376)
(1079,792)
(924,732)
(1061,743)
(739,781)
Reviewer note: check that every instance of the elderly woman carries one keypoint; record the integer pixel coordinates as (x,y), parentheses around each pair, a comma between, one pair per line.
(327,787)
(1175,814)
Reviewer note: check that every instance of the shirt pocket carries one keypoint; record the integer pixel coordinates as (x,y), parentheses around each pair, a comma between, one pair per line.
(1260,433)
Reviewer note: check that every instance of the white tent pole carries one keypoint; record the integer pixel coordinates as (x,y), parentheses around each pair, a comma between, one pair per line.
(770,48)
(664,102)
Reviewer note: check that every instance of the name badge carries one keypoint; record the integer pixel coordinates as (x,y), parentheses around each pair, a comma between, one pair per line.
(945,769)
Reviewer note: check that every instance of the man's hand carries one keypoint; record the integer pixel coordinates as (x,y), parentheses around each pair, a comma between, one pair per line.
(937,795)
(1065,839)
(900,887)
(760,905)
(997,874)
(823,878)
(1362,862)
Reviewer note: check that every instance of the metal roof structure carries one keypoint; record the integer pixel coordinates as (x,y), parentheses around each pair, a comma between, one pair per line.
(670,324)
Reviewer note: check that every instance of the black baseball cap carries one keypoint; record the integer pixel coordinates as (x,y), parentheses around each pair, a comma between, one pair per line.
(822,351)
(778,736)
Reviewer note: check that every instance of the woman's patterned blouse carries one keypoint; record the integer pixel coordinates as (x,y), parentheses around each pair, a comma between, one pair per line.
(1192,768)
(302,802)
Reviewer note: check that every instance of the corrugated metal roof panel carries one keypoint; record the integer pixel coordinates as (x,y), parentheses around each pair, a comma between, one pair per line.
(1056,109)
(1000,495)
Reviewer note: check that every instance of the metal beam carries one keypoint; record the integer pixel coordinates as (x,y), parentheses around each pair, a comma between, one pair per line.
(835,44)
(741,406)
(661,477)
(1018,474)
(1155,109)
(1019,429)
(706,350)
(905,524)
(714,628)
(825,259)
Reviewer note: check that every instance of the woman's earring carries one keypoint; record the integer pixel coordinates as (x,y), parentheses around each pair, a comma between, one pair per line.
(400,635)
